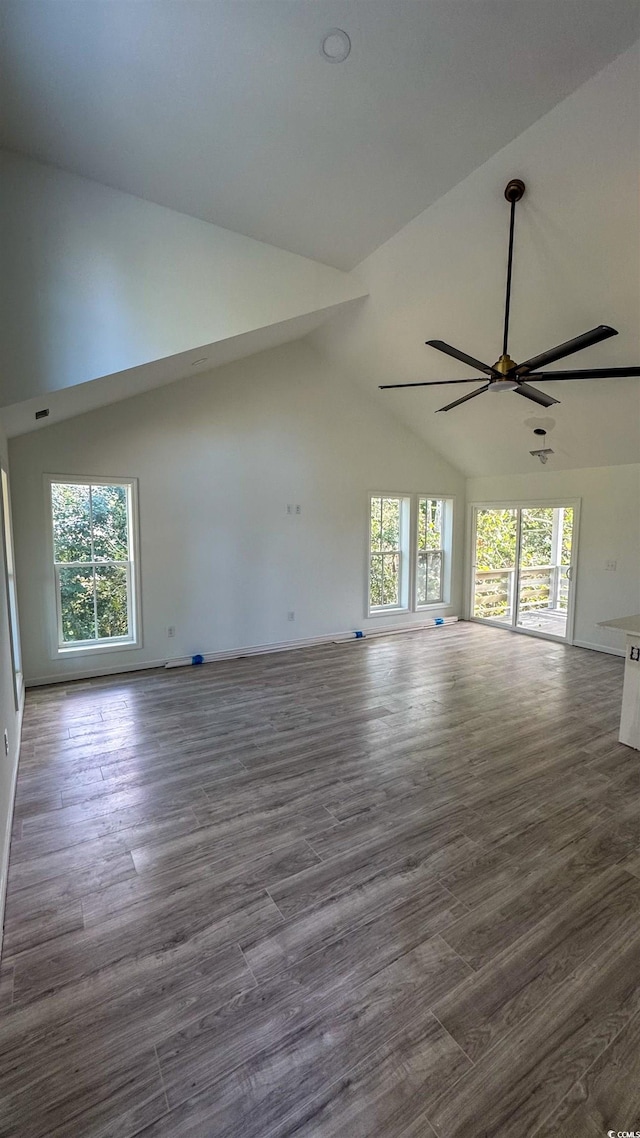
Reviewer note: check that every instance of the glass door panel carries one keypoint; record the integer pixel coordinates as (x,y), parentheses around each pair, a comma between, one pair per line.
(522,568)
(544,569)
(496,551)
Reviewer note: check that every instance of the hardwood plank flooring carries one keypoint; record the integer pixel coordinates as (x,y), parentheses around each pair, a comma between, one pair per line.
(384,889)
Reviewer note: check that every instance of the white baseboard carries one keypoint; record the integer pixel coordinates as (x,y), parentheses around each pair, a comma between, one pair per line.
(599,648)
(235,653)
(93,673)
(292,645)
(6,839)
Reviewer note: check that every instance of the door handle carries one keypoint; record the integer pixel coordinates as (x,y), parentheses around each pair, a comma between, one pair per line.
(569,572)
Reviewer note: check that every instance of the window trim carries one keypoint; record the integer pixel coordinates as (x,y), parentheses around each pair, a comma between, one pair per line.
(410,553)
(406,574)
(58,649)
(9,560)
(446,550)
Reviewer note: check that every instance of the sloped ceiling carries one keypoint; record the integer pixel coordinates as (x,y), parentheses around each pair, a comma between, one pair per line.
(97,283)
(228,112)
(577,264)
(67,402)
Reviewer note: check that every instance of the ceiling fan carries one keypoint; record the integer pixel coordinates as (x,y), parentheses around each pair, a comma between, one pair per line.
(505,374)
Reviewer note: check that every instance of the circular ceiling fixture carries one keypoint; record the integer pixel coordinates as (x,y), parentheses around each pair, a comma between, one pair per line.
(335,46)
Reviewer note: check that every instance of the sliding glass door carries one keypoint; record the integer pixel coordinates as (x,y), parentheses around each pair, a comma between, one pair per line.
(522,569)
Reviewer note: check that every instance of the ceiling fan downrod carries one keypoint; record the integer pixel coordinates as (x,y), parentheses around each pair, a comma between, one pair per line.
(514,191)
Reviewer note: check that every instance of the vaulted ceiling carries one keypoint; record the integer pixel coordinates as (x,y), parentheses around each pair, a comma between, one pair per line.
(227,111)
(393,161)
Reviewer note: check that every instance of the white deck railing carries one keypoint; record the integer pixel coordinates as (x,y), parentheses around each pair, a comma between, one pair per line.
(542,588)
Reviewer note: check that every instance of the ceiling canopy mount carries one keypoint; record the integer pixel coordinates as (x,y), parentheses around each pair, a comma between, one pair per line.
(514,190)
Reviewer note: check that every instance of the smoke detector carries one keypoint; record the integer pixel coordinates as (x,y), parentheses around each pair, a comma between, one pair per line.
(335,46)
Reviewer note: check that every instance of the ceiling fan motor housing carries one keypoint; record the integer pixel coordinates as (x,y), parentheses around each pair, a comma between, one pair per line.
(504,366)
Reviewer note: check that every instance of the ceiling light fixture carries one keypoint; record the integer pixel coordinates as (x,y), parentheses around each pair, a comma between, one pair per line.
(335,46)
(544,452)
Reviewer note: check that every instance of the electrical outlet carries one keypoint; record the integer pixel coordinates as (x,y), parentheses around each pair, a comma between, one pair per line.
(6,742)
(291,616)
(298,509)
(610,566)
(289,509)
(171,631)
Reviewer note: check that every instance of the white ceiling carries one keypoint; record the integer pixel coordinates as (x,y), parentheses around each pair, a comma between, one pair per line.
(227,111)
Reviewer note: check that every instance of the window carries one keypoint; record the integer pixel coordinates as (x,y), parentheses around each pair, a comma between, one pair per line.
(93,558)
(430,552)
(410,541)
(387,553)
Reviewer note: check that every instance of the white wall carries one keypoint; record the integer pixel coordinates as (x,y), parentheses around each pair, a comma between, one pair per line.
(609,531)
(218,458)
(9,718)
(96,281)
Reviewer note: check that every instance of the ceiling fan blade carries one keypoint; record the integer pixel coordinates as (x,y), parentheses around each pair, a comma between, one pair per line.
(465,359)
(472,395)
(427,383)
(535,395)
(602,332)
(588,373)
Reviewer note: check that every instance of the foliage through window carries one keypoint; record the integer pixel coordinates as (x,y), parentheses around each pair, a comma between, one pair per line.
(386,553)
(93,561)
(429,573)
(410,542)
(522,561)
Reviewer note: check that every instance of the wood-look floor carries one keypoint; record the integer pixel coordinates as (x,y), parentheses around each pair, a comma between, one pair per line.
(389,888)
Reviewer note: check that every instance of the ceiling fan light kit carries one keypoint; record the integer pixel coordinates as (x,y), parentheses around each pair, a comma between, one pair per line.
(502,385)
(507,375)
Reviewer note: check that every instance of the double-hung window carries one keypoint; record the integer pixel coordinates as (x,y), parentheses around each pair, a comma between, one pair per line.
(410,539)
(430,551)
(94,524)
(388,561)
